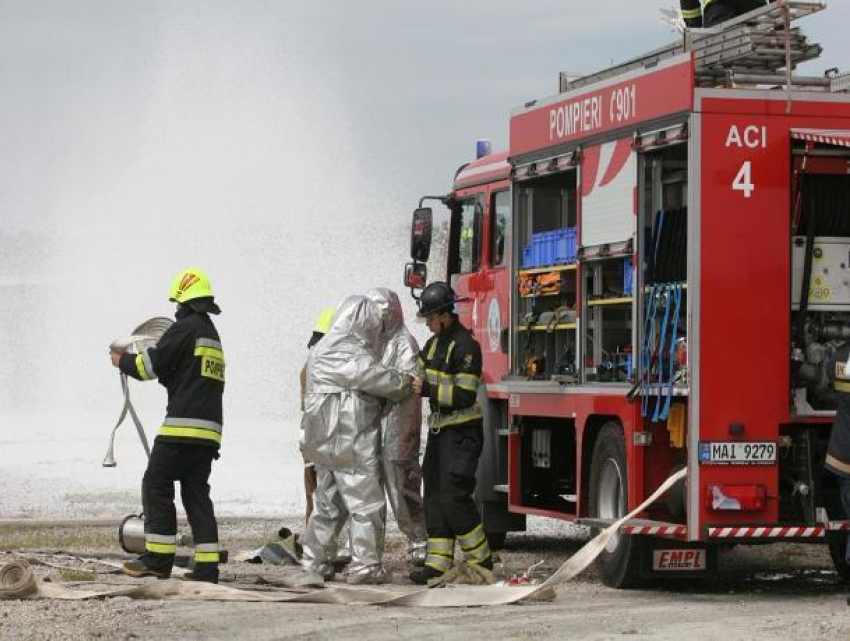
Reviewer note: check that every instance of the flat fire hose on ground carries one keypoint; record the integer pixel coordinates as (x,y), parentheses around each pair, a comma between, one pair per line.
(451,596)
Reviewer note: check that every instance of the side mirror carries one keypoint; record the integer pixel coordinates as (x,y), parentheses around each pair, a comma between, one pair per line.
(420,235)
(415,275)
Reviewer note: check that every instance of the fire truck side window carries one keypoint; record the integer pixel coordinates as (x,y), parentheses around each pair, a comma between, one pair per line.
(469,236)
(500,209)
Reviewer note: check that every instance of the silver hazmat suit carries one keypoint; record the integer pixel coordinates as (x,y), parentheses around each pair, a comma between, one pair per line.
(345,392)
(401,428)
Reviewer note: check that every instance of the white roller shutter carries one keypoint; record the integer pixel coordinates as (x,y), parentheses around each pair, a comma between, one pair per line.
(609,178)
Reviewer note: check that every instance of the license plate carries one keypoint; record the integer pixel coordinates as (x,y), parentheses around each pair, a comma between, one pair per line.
(678,560)
(737,453)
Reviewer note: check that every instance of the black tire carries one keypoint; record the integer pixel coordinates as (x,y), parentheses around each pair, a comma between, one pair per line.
(838,550)
(619,563)
(496,540)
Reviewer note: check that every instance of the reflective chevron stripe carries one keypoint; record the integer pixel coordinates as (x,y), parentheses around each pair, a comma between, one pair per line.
(438,421)
(207,553)
(192,428)
(144,366)
(161,543)
(474,544)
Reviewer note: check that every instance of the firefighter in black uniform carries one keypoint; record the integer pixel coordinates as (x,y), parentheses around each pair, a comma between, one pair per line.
(451,360)
(838,451)
(188,360)
(691,13)
(715,12)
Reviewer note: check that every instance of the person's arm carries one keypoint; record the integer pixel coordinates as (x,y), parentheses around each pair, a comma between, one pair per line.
(375,379)
(153,362)
(421,385)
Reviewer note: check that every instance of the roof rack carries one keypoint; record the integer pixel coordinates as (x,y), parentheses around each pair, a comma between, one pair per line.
(756,48)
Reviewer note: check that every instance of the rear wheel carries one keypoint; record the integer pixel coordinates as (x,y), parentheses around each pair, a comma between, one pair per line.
(619,563)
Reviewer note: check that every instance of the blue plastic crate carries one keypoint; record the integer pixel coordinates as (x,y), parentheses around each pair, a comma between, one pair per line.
(564,246)
(628,276)
(528,257)
(539,249)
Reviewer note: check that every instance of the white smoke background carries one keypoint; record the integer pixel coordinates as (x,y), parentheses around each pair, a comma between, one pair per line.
(280,146)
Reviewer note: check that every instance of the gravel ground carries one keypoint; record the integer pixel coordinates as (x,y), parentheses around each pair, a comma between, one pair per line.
(763,592)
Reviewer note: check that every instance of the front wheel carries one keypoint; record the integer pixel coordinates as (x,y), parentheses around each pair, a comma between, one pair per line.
(619,563)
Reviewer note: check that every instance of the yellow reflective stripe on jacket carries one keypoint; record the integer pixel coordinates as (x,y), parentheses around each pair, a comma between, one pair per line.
(468,414)
(433,349)
(212,358)
(209,351)
(190,432)
(445,391)
(449,353)
(468,382)
(433,377)
(837,464)
(447,382)
(842,386)
(193,428)
(140,367)
(690,14)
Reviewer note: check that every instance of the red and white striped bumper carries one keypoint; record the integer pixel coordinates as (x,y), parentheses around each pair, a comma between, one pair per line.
(779,532)
(677,531)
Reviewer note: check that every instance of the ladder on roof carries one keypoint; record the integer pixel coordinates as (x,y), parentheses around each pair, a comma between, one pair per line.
(756,48)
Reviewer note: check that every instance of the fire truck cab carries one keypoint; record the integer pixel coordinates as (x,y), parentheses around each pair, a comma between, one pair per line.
(658,273)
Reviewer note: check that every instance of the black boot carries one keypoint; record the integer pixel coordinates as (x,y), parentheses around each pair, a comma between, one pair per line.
(422,575)
(206,577)
(138,569)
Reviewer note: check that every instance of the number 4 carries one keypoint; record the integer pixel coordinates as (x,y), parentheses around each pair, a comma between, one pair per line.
(744,180)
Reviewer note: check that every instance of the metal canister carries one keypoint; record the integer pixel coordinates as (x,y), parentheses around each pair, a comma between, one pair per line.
(131,534)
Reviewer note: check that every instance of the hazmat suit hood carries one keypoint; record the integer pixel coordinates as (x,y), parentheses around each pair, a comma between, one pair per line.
(357,317)
(390,308)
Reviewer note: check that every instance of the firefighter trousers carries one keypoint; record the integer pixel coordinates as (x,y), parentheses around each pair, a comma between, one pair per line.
(191,466)
(844,487)
(448,470)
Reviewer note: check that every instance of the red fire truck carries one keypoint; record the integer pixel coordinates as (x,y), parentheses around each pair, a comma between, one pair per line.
(658,272)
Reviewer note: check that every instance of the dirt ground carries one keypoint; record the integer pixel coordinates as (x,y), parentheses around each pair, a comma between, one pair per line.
(762,592)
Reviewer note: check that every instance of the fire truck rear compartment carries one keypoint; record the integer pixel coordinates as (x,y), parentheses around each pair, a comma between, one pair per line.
(548,479)
(820,323)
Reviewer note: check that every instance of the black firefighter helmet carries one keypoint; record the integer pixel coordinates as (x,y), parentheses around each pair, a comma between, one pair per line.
(436,297)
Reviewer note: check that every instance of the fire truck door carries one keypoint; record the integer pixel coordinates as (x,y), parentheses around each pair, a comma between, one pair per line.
(465,274)
(494,287)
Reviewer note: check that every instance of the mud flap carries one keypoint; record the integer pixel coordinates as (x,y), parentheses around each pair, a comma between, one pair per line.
(671,559)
